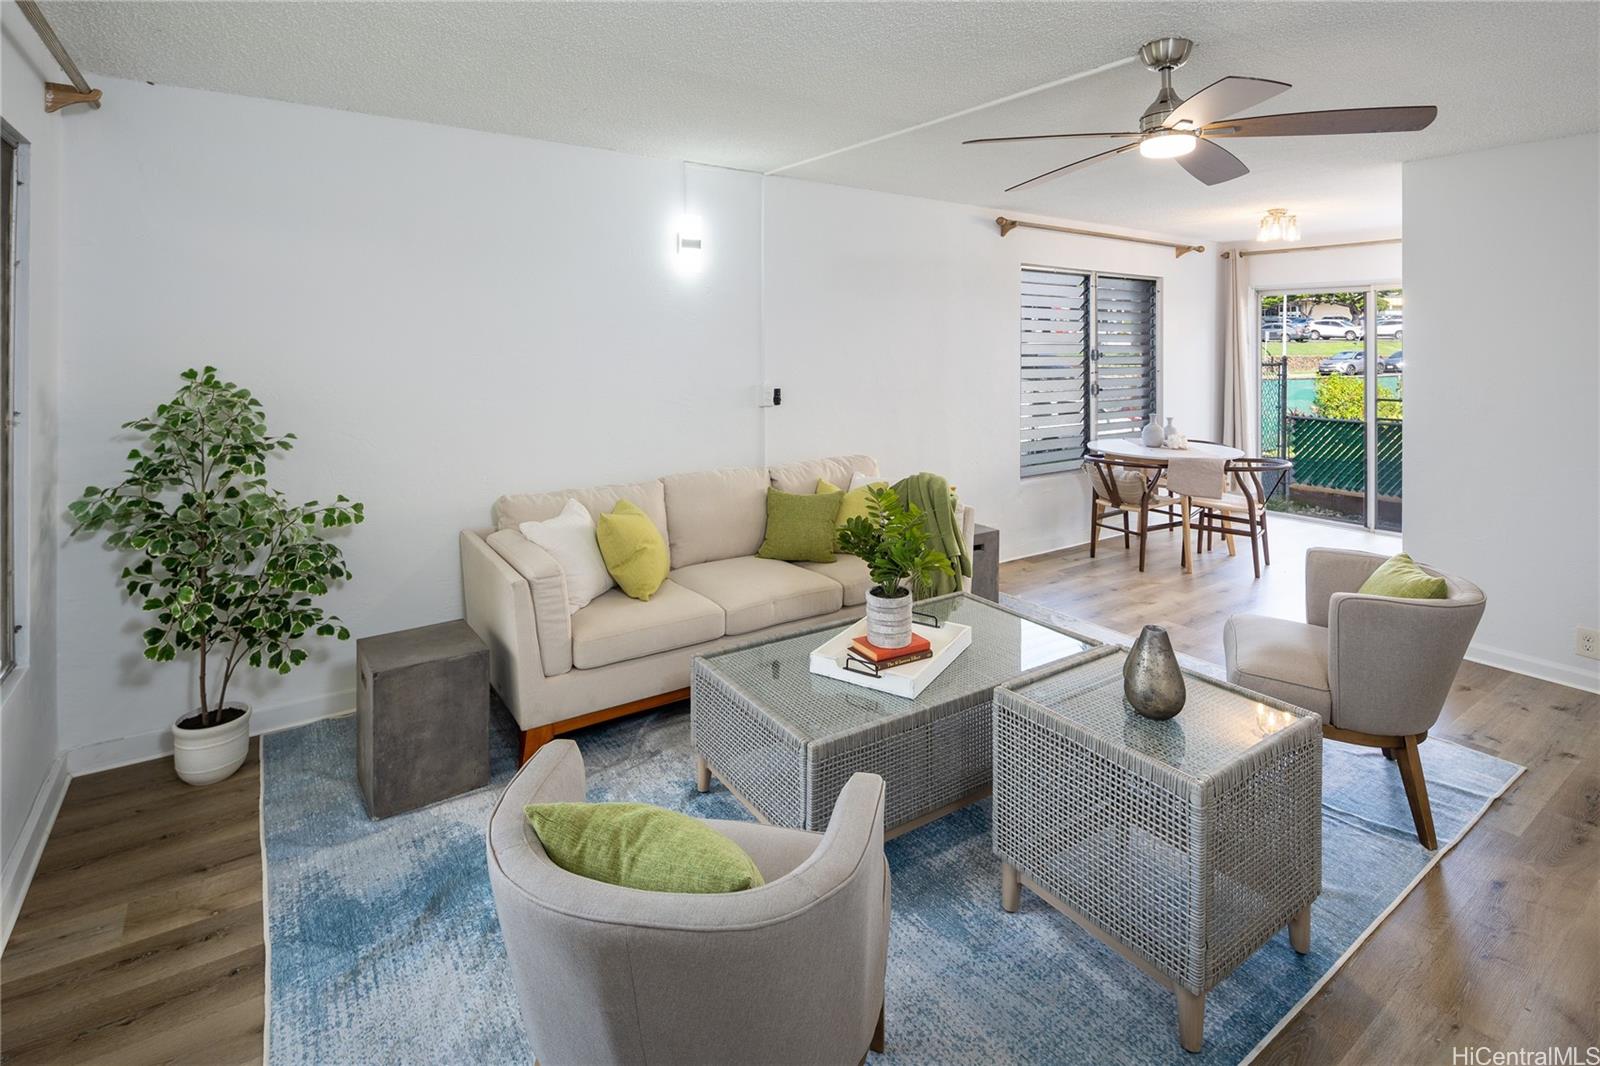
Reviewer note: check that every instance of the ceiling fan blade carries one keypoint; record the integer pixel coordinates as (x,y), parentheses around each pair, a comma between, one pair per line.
(1212,163)
(1058,171)
(1320,123)
(1045,137)
(1223,98)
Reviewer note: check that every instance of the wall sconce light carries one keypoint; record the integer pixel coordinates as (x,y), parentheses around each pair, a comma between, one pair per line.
(1278,225)
(690,243)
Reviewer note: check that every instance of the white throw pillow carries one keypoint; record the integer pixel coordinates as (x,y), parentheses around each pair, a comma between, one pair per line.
(857,480)
(569,538)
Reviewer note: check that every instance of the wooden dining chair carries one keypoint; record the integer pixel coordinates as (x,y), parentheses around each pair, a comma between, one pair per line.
(1241,511)
(1129,487)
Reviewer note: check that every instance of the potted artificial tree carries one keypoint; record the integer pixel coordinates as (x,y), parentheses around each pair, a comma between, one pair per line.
(893,541)
(228,567)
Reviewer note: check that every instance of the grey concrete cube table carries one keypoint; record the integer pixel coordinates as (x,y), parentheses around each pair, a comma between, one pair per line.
(422,716)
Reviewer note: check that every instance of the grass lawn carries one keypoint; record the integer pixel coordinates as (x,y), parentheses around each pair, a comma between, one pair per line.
(1305,355)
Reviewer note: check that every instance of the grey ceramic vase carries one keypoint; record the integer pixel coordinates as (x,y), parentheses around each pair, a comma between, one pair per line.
(1152,680)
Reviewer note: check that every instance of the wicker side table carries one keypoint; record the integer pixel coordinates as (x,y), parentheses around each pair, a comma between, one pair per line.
(1184,845)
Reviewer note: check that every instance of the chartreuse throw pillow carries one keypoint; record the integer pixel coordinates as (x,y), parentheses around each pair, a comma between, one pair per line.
(1399,576)
(634,550)
(639,846)
(800,527)
(855,501)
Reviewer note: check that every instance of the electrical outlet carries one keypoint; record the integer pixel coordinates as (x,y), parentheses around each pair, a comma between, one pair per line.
(1589,642)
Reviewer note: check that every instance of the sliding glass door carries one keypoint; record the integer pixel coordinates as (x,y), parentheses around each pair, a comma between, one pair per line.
(1331,380)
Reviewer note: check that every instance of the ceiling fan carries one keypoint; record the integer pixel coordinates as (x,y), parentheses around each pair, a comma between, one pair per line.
(1175,128)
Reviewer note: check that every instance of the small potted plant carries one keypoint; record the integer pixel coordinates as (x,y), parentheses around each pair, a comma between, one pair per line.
(228,567)
(893,541)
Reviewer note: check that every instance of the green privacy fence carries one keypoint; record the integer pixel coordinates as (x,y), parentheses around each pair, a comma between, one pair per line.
(1331,453)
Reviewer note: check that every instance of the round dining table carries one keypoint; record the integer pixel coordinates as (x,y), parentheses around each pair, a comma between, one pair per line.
(1125,448)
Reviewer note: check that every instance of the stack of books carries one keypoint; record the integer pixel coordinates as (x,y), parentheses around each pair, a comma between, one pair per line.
(865,651)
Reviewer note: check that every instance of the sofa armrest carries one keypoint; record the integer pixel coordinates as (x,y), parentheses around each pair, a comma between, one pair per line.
(1331,570)
(499,608)
(548,586)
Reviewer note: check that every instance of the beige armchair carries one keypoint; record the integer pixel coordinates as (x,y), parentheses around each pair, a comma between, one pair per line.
(790,972)
(1376,668)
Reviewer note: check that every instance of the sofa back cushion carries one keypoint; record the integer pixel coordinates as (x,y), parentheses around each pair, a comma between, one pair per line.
(513,510)
(802,476)
(716,514)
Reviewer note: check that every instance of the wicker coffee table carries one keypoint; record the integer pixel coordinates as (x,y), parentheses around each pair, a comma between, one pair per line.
(1185,844)
(784,740)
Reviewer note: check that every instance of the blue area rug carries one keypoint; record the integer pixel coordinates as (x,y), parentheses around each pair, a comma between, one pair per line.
(384,946)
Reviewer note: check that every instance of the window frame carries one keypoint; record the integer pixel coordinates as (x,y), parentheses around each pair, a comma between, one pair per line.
(12,381)
(1091,424)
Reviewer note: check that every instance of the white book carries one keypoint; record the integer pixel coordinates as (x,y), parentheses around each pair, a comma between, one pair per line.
(946,642)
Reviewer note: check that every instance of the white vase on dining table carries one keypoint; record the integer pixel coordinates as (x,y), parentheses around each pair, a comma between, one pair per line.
(1151,436)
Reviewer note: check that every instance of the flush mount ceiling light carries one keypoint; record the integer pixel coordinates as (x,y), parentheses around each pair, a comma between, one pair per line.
(1278,225)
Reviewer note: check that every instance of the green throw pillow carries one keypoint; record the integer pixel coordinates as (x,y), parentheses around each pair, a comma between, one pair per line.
(639,846)
(855,501)
(633,548)
(1399,576)
(800,526)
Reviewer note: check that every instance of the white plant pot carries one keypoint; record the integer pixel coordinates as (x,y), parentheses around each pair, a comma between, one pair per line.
(888,619)
(206,756)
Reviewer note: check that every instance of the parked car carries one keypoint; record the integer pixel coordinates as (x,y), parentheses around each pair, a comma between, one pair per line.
(1274,331)
(1353,361)
(1393,363)
(1349,329)
(1392,328)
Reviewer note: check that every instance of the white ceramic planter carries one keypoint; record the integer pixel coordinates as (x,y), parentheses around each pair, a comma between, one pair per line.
(888,620)
(206,756)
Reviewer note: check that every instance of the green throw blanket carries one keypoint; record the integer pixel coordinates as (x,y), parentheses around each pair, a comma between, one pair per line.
(941,514)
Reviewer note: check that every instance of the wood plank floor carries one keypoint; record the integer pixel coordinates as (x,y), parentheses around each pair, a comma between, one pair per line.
(140,940)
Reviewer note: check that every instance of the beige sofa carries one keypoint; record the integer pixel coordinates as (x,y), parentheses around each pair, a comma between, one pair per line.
(619,655)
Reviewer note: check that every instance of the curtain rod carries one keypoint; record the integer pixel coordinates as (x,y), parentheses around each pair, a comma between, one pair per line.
(57,96)
(1312,247)
(1008,224)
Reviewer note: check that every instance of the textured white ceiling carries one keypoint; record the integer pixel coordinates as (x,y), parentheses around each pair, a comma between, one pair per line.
(762,86)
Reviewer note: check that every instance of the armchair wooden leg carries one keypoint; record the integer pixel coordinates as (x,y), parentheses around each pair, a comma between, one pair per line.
(1417,792)
(1094,526)
(877,1034)
(1010,888)
(702,774)
(1144,532)
(1300,931)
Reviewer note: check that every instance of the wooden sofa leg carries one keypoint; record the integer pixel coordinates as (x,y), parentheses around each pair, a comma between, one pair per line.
(877,1034)
(1417,792)
(534,739)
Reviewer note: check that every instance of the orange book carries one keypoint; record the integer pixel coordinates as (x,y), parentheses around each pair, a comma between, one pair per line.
(869,650)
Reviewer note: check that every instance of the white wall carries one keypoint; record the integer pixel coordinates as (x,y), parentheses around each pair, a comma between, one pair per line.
(31,780)
(1325,269)
(1502,459)
(441,315)
(891,325)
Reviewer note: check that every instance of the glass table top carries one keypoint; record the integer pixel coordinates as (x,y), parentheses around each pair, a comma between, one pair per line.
(776,675)
(1217,726)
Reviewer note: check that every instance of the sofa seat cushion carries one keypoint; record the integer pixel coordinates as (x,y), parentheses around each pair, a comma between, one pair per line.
(615,628)
(1279,658)
(850,573)
(757,593)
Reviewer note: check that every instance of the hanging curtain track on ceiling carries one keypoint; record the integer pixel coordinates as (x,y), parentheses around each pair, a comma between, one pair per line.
(56,95)
(1244,252)
(1008,224)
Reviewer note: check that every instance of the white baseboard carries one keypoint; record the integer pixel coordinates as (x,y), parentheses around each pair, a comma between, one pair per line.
(1544,669)
(121,751)
(24,857)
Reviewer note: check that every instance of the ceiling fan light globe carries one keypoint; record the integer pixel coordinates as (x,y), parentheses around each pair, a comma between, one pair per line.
(1291,229)
(1274,230)
(1264,233)
(1168,145)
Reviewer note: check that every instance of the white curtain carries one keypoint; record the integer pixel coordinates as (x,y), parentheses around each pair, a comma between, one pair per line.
(1241,423)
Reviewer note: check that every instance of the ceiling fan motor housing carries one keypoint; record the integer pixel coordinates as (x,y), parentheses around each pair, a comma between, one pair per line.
(1163,55)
